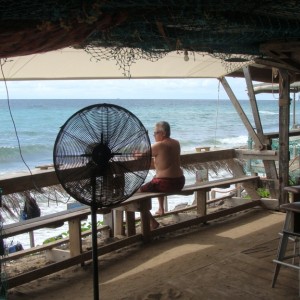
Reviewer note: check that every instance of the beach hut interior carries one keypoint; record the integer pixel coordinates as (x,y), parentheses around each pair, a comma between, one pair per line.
(96,39)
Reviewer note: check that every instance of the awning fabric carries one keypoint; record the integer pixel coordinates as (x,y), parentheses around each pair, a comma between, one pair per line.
(71,63)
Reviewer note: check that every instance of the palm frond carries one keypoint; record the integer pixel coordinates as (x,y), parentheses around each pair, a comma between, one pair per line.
(214,168)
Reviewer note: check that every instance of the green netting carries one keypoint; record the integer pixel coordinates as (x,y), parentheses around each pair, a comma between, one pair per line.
(206,26)
(146,29)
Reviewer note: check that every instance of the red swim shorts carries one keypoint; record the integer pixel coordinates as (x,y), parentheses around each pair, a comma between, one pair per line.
(167,185)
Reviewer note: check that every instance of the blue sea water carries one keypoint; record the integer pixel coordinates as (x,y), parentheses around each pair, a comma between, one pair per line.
(213,123)
(30,127)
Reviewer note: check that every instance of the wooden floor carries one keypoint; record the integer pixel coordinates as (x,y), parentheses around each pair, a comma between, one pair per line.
(246,275)
(228,259)
(239,270)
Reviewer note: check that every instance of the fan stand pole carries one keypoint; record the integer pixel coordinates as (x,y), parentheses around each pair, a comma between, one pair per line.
(94,241)
(95,252)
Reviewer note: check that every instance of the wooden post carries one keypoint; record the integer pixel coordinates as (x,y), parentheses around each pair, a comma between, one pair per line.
(166,204)
(270,166)
(145,207)
(284,124)
(241,113)
(201,202)
(75,237)
(108,220)
(130,223)
(31,238)
(118,222)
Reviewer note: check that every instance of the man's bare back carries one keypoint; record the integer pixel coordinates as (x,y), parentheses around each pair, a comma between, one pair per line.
(166,155)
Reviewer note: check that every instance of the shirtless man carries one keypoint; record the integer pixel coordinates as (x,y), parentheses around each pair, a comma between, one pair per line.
(169,176)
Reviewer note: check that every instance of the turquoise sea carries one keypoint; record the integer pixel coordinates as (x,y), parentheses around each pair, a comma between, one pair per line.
(30,128)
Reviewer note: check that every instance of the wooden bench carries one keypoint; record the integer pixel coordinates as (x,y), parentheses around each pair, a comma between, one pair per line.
(141,202)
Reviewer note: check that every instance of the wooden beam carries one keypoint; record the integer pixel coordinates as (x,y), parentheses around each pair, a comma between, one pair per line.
(76,260)
(256,154)
(279,64)
(282,53)
(207,156)
(253,102)
(35,180)
(17,183)
(274,135)
(269,164)
(284,123)
(241,113)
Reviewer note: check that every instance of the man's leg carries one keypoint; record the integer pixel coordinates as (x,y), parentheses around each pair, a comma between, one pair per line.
(161,209)
(153,223)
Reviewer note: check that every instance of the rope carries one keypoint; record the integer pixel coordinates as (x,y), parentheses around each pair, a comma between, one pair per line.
(217,115)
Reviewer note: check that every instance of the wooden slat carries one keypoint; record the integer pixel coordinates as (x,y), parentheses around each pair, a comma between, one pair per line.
(48,246)
(76,260)
(44,221)
(204,219)
(219,183)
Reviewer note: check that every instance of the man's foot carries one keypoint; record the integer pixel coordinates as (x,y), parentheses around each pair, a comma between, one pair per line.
(154,225)
(160,212)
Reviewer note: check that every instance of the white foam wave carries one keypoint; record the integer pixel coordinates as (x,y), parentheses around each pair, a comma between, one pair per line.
(234,141)
(266,112)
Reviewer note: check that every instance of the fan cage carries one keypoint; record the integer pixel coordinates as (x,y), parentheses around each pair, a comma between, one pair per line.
(102,155)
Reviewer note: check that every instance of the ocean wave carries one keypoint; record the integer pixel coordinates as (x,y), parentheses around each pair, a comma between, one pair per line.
(267,112)
(233,141)
(8,153)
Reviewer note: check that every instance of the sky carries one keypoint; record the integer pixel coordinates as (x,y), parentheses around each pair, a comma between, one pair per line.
(127,89)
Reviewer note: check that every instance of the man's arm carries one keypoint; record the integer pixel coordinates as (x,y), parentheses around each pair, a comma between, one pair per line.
(155,149)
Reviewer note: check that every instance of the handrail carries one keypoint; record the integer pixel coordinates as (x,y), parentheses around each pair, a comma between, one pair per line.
(16,183)
(274,135)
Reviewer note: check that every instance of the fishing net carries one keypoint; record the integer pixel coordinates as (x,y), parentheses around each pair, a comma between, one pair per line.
(146,29)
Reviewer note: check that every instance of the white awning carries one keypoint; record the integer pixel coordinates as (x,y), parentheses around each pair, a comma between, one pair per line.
(274,88)
(71,63)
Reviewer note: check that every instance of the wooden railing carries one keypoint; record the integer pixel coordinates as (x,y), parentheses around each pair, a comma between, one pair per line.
(15,183)
(139,202)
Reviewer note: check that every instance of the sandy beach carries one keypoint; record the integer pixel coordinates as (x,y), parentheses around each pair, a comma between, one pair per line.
(214,261)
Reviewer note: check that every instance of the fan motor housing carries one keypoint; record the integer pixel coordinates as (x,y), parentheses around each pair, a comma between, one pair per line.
(101,156)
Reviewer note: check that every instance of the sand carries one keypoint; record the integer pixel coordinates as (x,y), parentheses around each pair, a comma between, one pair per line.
(187,264)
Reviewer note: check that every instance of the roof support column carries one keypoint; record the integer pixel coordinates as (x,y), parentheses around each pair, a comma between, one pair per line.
(269,165)
(241,113)
(284,124)
(253,103)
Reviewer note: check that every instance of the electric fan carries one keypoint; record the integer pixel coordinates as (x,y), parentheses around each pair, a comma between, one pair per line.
(102,155)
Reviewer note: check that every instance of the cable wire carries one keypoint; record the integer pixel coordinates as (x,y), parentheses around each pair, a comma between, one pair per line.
(2,62)
(217,115)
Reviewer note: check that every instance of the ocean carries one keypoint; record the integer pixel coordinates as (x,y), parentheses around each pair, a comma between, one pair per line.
(29,129)
(213,123)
